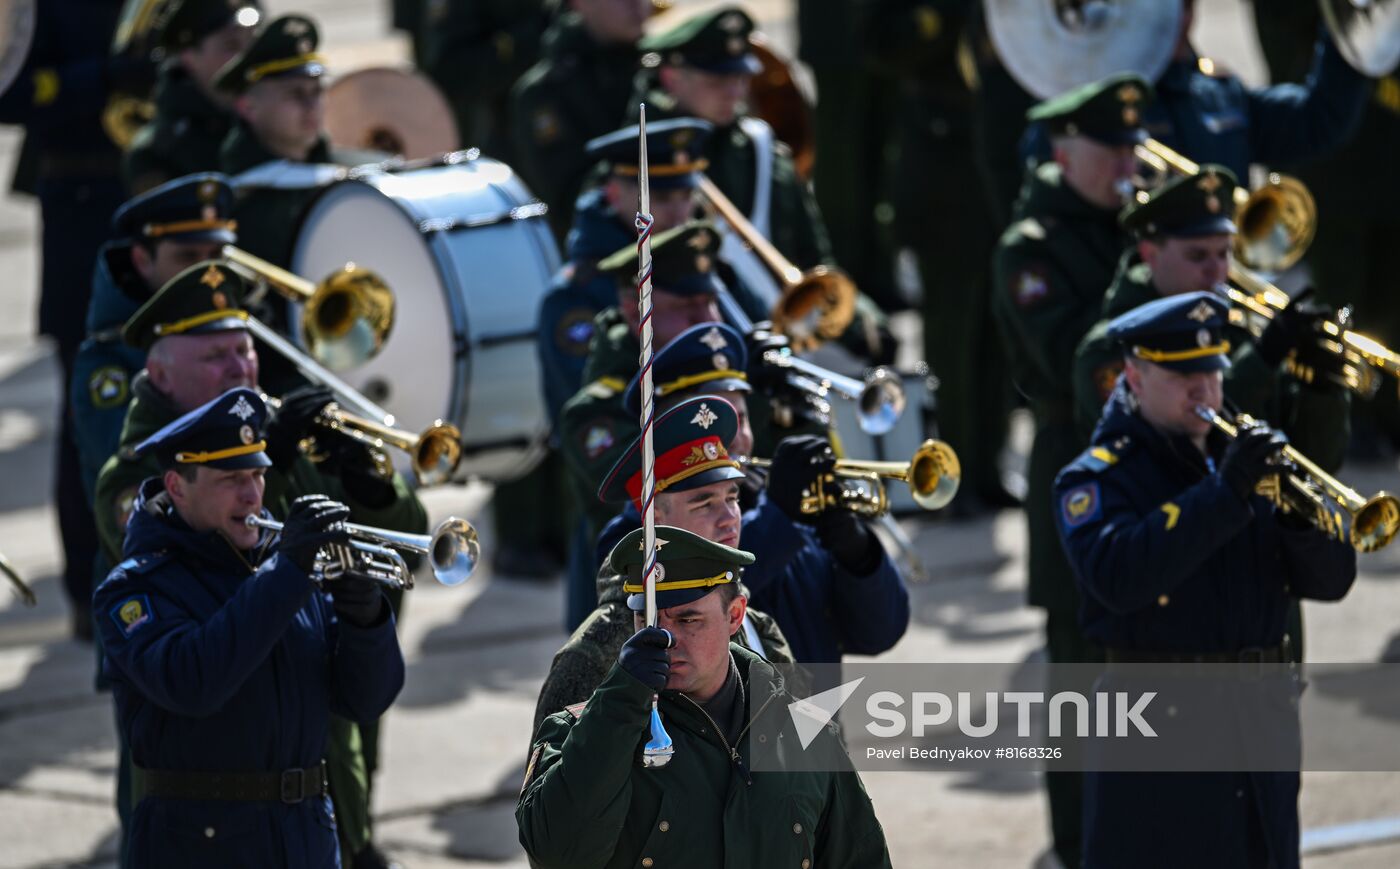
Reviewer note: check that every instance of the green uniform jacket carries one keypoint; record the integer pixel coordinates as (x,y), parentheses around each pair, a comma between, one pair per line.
(796,226)
(184,137)
(150,411)
(577,91)
(268,217)
(1315,420)
(582,663)
(587,802)
(1051,269)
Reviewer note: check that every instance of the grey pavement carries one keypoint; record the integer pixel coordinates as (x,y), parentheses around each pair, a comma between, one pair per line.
(456,740)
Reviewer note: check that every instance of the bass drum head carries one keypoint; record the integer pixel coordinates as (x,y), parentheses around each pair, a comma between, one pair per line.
(413,376)
(468,258)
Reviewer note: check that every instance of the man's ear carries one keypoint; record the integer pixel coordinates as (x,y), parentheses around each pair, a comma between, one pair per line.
(175,485)
(144,262)
(737,607)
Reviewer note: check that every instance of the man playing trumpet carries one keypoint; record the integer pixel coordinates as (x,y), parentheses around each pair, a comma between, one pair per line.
(1180,561)
(226,658)
(195,332)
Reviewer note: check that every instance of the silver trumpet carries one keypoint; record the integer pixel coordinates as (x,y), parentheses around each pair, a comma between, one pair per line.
(879,397)
(453,551)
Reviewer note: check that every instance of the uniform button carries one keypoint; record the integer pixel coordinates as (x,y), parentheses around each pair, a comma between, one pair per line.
(1239,794)
(647,861)
(806,864)
(1163,600)
(797,828)
(208,832)
(664,826)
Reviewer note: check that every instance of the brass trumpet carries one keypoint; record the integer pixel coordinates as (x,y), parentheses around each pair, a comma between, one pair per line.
(1276,222)
(435,452)
(1337,510)
(824,293)
(22,588)
(879,398)
(1262,299)
(933,475)
(347,316)
(453,551)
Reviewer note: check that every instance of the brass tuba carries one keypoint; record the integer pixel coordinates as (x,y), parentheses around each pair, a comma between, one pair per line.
(126,113)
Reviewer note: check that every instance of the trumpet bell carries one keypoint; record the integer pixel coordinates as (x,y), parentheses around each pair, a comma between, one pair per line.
(881,402)
(455,551)
(1276,224)
(1374,526)
(934,475)
(438,453)
(348,319)
(817,307)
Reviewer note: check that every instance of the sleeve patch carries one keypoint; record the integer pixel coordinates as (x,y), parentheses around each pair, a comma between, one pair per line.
(1081,505)
(573,332)
(576,710)
(530,767)
(1106,378)
(132,613)
(1028,287)
(107,387)
(598,439)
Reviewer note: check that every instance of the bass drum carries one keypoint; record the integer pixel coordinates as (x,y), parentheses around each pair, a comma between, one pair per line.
(465,248)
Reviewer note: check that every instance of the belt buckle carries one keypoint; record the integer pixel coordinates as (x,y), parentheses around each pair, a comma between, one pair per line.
(293,787)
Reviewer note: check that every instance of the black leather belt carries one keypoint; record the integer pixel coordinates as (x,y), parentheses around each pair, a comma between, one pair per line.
(1253,655)
(288,786)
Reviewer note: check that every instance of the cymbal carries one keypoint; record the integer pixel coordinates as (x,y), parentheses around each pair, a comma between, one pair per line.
(1367,33)
(390,110)
(1051,46)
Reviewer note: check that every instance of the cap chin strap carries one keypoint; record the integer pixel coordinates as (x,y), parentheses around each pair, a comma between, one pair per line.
(217,455)
(1181,355)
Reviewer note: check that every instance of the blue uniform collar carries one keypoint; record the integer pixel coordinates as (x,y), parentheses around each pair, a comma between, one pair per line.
(598,230)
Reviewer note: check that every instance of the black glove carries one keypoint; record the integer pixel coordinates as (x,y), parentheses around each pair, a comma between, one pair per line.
(644,656)
(1297,326)
(849,541)
(293,421)
(799,463)
(357,599)
(366,473)
(1250,457)
(311,525)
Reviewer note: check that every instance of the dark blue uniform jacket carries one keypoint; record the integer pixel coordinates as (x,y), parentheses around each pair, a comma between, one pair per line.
(217,666)
(1170,559)
(105,365)
(824,610)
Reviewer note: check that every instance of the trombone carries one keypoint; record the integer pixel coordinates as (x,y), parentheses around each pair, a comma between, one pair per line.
(347,316)
(823,292)
(933,475)
(879,398)
(453,551)
(1337,510)
(22,588)
(1277,221)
